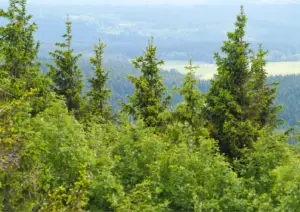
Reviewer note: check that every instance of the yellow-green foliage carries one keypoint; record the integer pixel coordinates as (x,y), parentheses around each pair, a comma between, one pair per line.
(164,160)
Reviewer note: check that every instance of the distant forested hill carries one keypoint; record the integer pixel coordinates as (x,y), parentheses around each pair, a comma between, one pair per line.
(288,95)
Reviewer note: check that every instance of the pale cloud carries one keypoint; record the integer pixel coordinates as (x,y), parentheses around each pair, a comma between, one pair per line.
(118,2)
(278,1)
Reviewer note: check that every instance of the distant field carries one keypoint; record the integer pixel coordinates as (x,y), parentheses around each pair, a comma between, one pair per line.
(206,71)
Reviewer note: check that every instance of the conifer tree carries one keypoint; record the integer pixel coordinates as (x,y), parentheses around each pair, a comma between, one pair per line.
(99,94)
(228,99)
(18,51)
(191,109)
(66,75)
(149,99)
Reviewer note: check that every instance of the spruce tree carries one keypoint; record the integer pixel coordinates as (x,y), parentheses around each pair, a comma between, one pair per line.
(228,99)
(66,75)
(19,69)
(190,111)
(99,94)
(149,99)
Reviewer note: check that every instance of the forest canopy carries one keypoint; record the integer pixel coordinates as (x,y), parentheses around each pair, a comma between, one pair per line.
(63,149)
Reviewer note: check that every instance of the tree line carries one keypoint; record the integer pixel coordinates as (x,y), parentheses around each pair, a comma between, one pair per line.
(64,151)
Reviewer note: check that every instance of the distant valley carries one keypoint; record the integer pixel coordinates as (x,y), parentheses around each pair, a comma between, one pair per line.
(206,71)
(181,32)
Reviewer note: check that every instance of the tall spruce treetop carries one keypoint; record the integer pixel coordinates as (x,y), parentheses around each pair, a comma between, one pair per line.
(228,99)
(149,99)
(67,77)
(18,50)
(99,94)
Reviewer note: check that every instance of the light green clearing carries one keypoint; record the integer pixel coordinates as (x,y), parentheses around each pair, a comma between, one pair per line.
(206,71)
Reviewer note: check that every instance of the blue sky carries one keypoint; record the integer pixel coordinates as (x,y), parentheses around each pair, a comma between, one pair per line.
(143,2)
(177,2)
